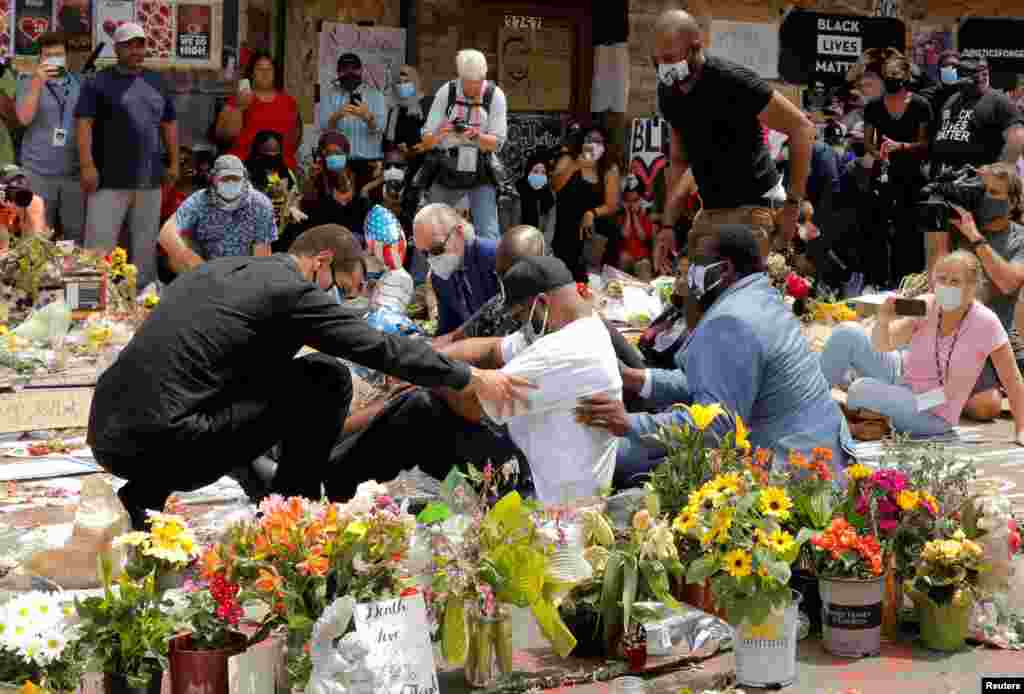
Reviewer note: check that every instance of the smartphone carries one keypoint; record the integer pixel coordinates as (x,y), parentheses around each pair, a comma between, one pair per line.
(911,307)
(244,85)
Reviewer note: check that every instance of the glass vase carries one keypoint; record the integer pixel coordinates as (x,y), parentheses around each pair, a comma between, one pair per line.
(490,647)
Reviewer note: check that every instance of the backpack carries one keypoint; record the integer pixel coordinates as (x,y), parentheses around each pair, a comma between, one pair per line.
(448,173)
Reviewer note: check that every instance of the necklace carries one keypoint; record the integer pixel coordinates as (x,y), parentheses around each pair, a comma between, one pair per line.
(944,376)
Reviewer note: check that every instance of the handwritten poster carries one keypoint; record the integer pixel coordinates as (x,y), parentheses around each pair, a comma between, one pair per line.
(110,14)
(74,19)
(381,49)
(648,152)
(33,20)
(194,32)
(398,635)
(755,46)
(528,133)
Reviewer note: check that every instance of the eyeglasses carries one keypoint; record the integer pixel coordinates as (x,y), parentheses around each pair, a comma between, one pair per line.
(439,249)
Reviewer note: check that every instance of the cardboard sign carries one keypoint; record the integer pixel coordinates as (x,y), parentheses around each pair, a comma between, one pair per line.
(56,408)
(817,47)
(648,152)
(382,50)
(753,45)
(33,20)
(195,32)
(398,636)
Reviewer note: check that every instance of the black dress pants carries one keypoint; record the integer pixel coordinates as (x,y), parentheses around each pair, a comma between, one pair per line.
(301,407)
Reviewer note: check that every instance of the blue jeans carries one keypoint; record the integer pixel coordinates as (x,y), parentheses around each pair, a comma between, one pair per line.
(483,204)
(878,385)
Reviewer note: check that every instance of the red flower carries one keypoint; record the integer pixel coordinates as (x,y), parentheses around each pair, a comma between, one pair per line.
(797,287)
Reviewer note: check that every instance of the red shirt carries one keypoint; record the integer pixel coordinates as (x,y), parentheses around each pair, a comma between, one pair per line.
(280,115)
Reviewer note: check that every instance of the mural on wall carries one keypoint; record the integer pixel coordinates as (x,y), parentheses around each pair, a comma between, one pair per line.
(535,63)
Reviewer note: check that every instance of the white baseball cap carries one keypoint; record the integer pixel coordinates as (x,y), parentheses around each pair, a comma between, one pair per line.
(128,32)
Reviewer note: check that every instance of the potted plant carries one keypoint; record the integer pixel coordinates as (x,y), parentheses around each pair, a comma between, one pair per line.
(127,631)
(166,550)
(300,555)
(39,644)
(747,556)
(581,608)
(944,590)
(211,615)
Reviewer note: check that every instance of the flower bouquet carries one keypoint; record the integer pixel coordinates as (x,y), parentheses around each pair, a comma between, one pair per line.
(166,549)
(39,643)
(482,562)
(121,278)
(944,589)
(127,631)
(747,554)
(301,554)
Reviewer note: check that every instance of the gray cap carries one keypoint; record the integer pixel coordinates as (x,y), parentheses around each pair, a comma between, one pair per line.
(228,165)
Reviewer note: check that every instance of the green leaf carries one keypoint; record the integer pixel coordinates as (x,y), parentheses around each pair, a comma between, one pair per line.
(701,570)
(629,584)
(806,534)
(675,569)
(780,571)
(656,575)
(435,512)
(611,591)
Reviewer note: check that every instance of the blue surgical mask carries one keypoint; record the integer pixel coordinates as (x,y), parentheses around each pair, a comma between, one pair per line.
(336,162)
(949,75)
(229,190)
(405,90)
(537,181)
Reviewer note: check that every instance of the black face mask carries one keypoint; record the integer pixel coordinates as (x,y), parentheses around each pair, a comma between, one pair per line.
(350,82)
(858,149)
(894,85)
(201,180)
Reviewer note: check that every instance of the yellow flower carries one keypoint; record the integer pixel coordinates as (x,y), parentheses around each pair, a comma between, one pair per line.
(721,523)
(134,539)
(737,563)
(151,301)
(858,471)
(741,435)
(119,257)
(642,519)
(908,500)
(130,271)
(30,687)
(950,549)
(781,541)
(959,535)
(775,502)
(730,483)
(761,537)
(973,548)
(685,521)
(707,498)
(3,331)
(703,415)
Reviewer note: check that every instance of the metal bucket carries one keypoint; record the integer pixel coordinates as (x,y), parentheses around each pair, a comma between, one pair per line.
(851,616)
(766,652)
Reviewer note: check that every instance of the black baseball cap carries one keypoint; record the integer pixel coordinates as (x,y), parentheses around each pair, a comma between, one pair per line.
(349,60)
(535,275)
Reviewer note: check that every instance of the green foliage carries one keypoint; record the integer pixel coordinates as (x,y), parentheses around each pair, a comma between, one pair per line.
(127,630)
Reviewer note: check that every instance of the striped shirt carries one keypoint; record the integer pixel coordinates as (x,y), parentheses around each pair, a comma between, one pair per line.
(366,144)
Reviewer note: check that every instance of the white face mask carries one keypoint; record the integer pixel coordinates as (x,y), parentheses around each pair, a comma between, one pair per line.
(444,265)
(57,61)
(597,151)
(672,73)
(948,298)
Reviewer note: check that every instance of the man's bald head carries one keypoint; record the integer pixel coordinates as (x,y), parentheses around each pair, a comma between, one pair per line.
(674,22)
(519,242)
(677,38)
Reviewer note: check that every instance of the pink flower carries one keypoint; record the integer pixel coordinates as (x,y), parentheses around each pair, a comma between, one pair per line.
(797,287)
(384,501)
(887,526)
(891,481)
(862,505)
(887,507)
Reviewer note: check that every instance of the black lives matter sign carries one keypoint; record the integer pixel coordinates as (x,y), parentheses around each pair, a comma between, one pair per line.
(816,47)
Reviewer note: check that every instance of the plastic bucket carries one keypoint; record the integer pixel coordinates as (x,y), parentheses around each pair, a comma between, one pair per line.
(851,616)
(766,652)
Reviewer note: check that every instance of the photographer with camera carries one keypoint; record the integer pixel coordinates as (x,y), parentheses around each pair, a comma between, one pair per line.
(22,213)
(467,125)
(977,126)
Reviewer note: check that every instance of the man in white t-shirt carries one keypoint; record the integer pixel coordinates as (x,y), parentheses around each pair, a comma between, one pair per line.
(563,350)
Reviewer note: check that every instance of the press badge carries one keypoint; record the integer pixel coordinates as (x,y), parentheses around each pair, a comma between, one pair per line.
(933,398)
(467,159)
(60,137)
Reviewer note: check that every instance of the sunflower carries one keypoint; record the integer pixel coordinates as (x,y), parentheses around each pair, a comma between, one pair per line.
(737,563)
(858,472)
(775,502)
(730,483)
(685,521)
(742,441)
(761,537)
(780,541)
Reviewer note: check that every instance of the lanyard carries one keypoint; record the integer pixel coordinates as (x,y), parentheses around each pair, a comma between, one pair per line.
(61,103)
(944,376)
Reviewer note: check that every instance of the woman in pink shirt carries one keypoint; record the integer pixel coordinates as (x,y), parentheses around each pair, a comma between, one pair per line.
(919,372)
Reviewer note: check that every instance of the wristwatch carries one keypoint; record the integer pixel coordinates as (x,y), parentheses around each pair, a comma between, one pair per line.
(975,245)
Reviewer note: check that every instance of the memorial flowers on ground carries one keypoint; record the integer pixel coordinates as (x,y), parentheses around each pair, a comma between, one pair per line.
(169,545)
(39,642)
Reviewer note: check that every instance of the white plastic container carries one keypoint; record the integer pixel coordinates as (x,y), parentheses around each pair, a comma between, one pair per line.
(766,652)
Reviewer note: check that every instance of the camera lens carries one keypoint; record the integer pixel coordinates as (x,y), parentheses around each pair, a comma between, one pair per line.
(21,197)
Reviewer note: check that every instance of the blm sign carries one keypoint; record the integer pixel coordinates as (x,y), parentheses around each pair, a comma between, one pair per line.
(817,47)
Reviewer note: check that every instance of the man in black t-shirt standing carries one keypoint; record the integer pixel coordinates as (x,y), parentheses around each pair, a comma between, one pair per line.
(977,126)
(718,111)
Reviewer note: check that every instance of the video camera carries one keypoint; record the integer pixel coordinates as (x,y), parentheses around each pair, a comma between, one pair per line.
(963,187)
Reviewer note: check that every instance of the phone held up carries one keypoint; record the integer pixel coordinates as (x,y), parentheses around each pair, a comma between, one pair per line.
(911,308)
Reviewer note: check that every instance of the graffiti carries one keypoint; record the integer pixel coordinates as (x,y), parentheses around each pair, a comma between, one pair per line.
(527,133)
(887,8)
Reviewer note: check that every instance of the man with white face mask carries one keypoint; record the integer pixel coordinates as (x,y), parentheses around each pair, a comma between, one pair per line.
(49,149)
(228,219)
(462,266)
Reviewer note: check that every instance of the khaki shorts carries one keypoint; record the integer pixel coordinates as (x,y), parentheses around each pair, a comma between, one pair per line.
(762,219)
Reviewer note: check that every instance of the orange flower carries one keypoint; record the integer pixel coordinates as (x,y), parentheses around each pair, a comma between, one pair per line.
(211,563)
(763,457)
(316,563)
(798,460)
(822,454)
(268,581)
(262,548)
